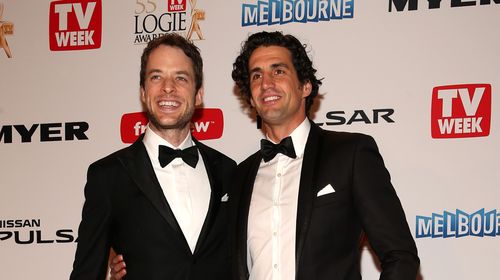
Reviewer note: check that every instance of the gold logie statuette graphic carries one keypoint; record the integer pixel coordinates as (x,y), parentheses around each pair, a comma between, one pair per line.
(196,15)
(6,28)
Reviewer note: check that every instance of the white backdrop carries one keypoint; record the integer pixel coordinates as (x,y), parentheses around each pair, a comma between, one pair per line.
(371,59)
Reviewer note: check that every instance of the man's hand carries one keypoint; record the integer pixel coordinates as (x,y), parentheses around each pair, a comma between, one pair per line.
(117,268)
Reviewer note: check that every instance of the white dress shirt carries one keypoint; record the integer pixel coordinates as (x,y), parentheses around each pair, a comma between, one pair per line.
(272,216)
(186,189)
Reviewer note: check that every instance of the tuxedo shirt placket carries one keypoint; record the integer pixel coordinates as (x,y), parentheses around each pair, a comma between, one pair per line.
(186,189)
(283,219)
(272,219)
(188,194)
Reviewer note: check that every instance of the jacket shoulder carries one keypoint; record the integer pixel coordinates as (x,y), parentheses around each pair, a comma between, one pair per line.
(214,155)
(249,160)
(346,137)
(112,159)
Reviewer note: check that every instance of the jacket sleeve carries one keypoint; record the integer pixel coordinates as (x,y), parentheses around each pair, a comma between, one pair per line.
(382,215)
(91,258)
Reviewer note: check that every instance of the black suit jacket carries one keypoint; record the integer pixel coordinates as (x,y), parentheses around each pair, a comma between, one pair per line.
(126,209)
(329,227)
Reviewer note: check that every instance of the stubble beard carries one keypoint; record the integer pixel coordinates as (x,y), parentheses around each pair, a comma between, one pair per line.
(180,124)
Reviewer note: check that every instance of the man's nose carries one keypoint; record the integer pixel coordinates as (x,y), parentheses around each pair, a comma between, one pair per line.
(168,85)
(267,80)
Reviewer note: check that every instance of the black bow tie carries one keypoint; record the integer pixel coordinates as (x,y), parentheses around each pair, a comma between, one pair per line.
(269,150)
(188,155)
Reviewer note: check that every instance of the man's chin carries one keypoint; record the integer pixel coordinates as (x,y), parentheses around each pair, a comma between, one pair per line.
(169,121)
(270,117)
(169,124)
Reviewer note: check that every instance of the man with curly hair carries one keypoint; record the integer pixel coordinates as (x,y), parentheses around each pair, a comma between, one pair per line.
(302,203)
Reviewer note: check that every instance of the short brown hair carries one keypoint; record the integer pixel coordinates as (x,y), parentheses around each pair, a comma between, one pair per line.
(174,40)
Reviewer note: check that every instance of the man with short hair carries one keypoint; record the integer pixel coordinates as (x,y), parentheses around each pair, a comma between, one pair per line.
(161,202)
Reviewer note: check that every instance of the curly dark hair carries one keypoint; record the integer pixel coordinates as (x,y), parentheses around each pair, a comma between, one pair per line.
(174,40)
(301,62)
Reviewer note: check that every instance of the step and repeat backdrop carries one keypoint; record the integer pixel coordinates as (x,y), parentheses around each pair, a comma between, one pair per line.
(421,77)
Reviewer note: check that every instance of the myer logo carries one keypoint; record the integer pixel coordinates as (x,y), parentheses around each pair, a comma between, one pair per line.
(207,123)
(75,25)
(43,132)
(461,111)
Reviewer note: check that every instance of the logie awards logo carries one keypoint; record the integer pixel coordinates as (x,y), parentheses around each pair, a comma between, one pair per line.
(6,28)
(155,18)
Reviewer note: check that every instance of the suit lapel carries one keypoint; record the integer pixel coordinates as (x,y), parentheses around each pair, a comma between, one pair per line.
(211,166)
(138,165)
(306,189)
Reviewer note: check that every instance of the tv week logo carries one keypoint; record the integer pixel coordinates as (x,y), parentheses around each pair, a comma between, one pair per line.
(75,25)
(176,5)
(207,123)
(460,111)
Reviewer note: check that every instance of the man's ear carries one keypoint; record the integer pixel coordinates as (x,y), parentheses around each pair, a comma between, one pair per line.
(143,95)
(306,89)
(198,98)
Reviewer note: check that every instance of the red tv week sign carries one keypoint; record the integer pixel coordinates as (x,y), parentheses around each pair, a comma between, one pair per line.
(75,25)
(176,5)
(461,111)
(207,123)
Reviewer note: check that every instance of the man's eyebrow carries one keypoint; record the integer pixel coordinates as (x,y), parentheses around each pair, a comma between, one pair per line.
(180,72)
(183,72)
(255,69)
(278,65)
(273,66)
(153,71)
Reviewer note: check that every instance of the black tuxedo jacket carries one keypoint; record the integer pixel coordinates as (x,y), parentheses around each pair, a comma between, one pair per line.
(329,226)
(126,209)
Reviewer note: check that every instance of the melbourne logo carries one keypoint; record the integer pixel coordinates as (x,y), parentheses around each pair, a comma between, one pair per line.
(400,5)
(461,111)
(207,123)
(155,18)
(6,28)
(286,11)
(373,116)
(75,25)
(458,224)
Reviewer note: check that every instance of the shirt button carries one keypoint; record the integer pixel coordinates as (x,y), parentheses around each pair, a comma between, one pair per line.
(279,175)
(275,266)
(275,233)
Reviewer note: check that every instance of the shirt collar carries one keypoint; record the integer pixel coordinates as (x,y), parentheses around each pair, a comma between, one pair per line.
(299,137)
(152,141)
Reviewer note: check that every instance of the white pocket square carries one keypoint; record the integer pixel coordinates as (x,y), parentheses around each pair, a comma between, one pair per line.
(225,198)
(326,190)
